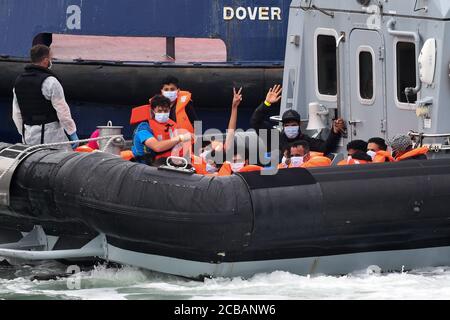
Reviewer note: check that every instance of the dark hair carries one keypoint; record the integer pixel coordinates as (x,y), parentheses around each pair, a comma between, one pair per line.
(160,101)
(361,155)
(38,53)
(170,80)
(358,145)
(380,142)
(301,143)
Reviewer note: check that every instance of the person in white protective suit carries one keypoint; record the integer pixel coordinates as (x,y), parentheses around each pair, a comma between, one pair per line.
(40,111)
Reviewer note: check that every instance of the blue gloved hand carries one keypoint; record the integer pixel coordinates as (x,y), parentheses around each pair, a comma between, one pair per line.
(74,137)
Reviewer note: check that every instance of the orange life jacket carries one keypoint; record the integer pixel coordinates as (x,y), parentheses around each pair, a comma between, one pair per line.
(383,156)
(140,114)
(183,122)
(317,162)
(226,170)
(127,155)
(317,159)
(84,149)
(199,165)
(165,131)
(413,153)
(350,161)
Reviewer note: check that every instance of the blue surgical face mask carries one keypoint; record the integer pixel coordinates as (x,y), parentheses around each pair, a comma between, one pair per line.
(292,132)
(171,95)
(162,117)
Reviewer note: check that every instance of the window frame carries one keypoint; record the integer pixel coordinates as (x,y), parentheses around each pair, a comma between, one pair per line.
(369,49)
(317,33)
(398,103)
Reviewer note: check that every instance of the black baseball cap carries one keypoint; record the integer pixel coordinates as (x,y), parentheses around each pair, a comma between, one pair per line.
(291,115)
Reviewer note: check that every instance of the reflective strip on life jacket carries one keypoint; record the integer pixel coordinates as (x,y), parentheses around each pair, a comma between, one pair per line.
(414,153)
(183,122)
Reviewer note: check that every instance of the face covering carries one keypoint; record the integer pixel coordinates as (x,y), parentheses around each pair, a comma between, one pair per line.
(171,95)
(205,154)
(237,166)
(371,154)
(210,168)
(50,65)
(292,132)
(296,162)
(162,117)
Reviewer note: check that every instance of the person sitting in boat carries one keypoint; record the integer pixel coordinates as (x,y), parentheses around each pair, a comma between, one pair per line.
(240,162)
(291,126)
(301,156)
(357,154)
(402,149)
(378,150)
(181,107)
(158,138)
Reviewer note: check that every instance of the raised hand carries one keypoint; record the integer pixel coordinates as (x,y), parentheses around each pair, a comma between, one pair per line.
(339,126)
(274,94)
(237,99)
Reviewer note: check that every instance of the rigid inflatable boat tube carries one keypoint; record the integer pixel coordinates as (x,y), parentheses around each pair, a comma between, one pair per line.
(139,208)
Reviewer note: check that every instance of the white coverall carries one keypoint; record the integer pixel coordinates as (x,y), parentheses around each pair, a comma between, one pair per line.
(53,91)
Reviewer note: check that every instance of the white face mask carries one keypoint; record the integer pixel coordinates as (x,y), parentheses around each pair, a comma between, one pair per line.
(371,154)
(205,154)
(210,168)
(291,132)
(50,66)
(296,162)
(162,117)
(171,95)
(237,166)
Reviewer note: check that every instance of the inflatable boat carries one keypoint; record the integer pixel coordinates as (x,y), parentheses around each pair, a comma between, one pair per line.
(327,220)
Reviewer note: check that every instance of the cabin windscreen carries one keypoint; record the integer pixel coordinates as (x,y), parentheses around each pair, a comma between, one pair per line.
(366,75)
(406,71)
(326,65)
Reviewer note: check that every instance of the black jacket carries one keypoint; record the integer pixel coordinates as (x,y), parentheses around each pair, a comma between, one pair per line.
(261,120)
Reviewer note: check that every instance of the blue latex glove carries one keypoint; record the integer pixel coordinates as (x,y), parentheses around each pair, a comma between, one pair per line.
(74,137)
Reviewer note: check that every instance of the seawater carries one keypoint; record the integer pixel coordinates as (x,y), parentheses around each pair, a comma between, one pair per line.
(127,283)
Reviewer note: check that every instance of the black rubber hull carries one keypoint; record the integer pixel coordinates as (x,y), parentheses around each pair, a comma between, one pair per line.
(295,214)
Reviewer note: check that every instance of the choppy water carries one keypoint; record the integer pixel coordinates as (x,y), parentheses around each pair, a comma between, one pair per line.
(104,283)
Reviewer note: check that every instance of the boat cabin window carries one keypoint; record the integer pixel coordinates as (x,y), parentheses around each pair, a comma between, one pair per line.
(326,65)
(406,70)
(366,75)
